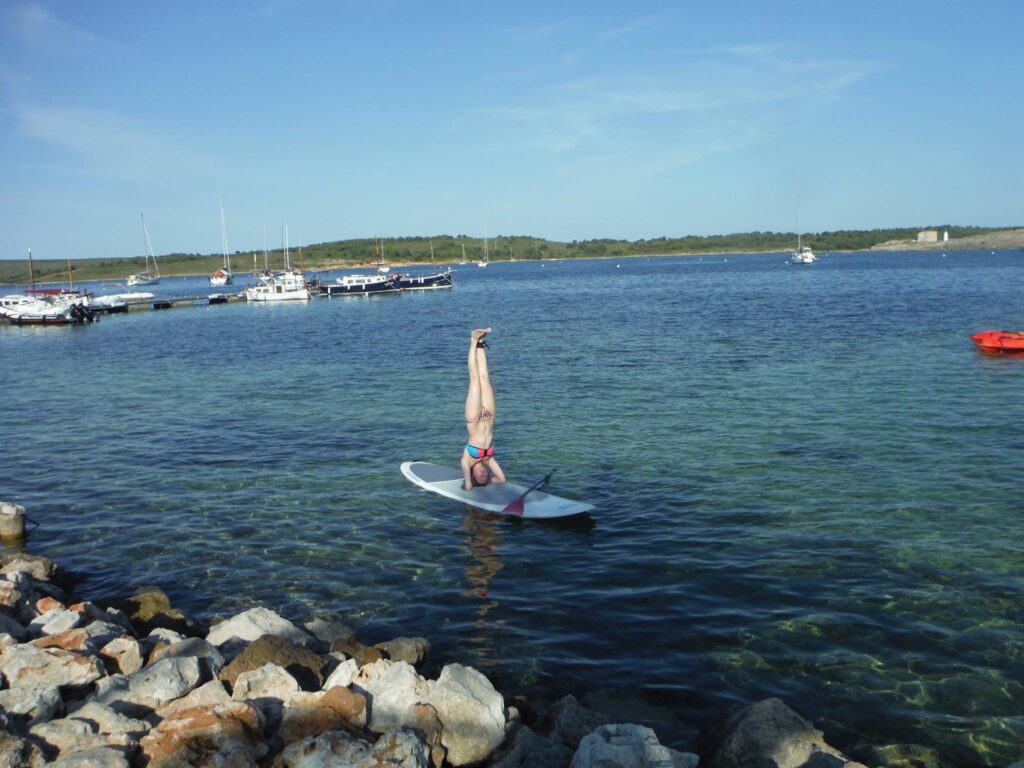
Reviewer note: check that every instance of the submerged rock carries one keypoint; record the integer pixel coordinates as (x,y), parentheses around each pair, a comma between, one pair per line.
(630,746)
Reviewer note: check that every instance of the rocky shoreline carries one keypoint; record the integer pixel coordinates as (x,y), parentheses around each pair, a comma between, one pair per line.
(137,683)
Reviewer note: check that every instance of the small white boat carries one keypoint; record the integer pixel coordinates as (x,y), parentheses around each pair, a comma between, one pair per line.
(146,277)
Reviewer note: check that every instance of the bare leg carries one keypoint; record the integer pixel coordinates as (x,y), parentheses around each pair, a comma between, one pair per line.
(473,396)
(486,390)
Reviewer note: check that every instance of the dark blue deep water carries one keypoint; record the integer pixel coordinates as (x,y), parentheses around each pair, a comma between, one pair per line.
(807,480)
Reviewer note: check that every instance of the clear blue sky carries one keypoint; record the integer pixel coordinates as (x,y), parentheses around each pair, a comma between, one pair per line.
(566,120)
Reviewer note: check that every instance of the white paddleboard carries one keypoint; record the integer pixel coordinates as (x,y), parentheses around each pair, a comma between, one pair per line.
(447,481)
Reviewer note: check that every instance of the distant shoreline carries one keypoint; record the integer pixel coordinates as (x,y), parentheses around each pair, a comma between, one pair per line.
(1003,240)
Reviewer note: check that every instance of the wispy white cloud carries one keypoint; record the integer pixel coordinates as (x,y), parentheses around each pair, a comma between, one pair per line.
(107,146)
(36,26)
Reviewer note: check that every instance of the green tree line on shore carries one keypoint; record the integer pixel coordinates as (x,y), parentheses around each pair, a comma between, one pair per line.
(449,249)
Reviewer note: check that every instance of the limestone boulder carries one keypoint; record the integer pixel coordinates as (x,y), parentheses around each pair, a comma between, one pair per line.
(269,681)
(54,622)
(37,704)
(87,640)
(353,649)
(97,757)
(392,689)
(767,732)
(122,655)
(629,746)
(103,719)
(401,747)
(331,749)
(233,634)
(36,566)
(167,679)
(471,711)
(28,666)
(302,664)
(64,737)
(151,608)
(224,734)
(342,675)
(412,650)
(207,696)
(12,628)
(307,714)
(17,752)
(571,721)
(211,659)
(528,749)
(328,629)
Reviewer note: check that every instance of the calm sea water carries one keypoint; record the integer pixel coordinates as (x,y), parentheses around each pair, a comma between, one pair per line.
(806,479)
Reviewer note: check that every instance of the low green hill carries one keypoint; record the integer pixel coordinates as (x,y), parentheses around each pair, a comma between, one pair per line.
(448,249)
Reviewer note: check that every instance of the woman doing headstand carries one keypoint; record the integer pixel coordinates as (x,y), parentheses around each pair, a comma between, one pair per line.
(479,467)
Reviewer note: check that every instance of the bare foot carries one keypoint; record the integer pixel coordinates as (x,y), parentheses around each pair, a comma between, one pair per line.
(479,333)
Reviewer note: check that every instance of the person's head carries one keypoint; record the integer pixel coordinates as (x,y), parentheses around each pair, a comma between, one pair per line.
(479,474)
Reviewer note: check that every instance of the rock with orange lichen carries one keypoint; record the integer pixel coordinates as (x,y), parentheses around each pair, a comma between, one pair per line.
(222,734)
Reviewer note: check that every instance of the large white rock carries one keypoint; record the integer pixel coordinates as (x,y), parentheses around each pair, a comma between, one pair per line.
(54,622)
(392,689)
(628,746)
(37,704)
(166,680)
(207,695)
(103,719)
(269,681)
(123,654)
(342,675)
(333,749)
(472,713)
(97,757)
(255,623)
(28,666)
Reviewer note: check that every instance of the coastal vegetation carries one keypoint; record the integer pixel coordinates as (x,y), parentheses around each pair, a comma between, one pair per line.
(448,249)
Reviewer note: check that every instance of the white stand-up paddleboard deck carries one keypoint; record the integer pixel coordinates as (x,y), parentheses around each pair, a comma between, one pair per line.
(447,481)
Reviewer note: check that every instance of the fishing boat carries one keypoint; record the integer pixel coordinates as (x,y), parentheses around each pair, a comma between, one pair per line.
(146,277)
(999,342)
(223,275)
(287,285)
(357,285)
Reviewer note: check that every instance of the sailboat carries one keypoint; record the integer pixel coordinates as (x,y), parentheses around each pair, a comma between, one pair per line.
(146,277)
(485,260)
(289,285)
(463,254)
(382,265)
(222,276)
(803,254)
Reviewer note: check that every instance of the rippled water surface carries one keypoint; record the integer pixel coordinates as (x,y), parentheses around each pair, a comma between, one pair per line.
(806,479)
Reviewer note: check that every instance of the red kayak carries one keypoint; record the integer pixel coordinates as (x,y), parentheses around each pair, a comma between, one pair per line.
(999,342)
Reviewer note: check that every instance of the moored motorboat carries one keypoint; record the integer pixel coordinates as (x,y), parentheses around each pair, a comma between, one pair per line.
(423,282)
(999,342)
(357,285)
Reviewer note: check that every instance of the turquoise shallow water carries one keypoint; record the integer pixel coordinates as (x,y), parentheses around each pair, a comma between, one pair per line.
(805,479)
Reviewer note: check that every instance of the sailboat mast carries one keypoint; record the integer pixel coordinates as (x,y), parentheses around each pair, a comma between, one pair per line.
(287,261)
(266,255)
(71,285)
(224,239)
(431,251)
(31,271)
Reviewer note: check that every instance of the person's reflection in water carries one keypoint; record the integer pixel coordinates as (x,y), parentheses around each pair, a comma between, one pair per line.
(482,544)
